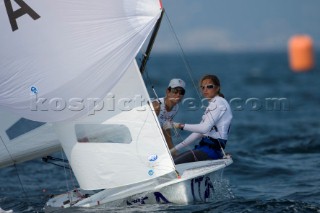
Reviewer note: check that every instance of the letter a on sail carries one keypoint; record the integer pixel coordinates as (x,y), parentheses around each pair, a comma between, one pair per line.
(14,15)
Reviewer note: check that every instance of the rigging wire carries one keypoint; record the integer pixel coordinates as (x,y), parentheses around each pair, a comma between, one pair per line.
(151,84)
(183,56)
(16,169)
(66,178)
(189,70)
(186,64)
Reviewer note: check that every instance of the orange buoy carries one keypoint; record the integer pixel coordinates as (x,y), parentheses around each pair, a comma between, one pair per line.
(301,55)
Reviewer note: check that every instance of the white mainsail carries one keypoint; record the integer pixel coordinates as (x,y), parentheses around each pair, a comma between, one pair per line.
(56,56)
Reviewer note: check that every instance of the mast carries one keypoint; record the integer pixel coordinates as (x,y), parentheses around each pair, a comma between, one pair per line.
(146,55)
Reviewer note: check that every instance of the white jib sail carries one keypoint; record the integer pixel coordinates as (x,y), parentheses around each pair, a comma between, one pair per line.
(57,55)
(121,142)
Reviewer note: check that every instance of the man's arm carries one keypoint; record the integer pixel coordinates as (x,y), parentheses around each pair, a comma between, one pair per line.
(167,136)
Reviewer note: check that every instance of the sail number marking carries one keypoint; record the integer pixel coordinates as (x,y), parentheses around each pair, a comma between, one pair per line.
(23,10)
(195,185)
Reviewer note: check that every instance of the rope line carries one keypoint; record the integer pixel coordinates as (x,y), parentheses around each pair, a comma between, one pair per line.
(189,70)
(66,178)
(183,56)
(16,169)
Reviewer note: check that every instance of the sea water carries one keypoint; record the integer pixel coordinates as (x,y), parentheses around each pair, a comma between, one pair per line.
(274,138)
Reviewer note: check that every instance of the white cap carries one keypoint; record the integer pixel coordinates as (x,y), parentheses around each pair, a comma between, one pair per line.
(176,82)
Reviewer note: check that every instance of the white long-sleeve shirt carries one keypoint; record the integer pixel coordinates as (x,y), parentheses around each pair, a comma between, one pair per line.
(218,114)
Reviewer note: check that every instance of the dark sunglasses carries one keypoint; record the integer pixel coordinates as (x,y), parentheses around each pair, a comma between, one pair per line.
(181,91)
(208,86)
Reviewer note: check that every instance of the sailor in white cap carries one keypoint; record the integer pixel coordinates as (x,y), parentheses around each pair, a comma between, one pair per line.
(166,108)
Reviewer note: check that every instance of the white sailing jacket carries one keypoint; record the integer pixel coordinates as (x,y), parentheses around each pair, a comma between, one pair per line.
(215,122)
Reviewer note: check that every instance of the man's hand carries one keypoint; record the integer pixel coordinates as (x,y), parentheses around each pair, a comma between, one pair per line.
(167,125)
(176,125)
(170,125)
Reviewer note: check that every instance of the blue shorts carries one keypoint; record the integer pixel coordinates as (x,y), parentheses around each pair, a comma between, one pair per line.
(212,153)
(212,147)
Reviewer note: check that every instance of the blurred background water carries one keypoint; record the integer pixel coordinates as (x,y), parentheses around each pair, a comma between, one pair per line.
(275,145)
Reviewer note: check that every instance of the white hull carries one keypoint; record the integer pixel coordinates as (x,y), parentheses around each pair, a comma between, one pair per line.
(196,184)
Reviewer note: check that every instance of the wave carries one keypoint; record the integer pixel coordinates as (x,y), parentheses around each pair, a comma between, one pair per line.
(292,144)
(272,206)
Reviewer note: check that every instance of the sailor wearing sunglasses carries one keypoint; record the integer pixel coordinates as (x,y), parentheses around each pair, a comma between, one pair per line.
(166,108)
(213,129)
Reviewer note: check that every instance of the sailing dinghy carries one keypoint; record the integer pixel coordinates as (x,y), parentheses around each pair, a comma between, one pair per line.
(69,66)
